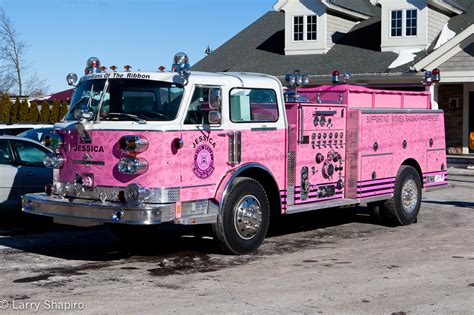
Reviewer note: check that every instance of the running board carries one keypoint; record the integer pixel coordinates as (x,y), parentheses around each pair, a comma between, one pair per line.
(322,205)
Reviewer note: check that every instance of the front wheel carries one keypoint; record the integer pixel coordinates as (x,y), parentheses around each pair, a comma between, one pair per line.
(243,222)
(404,207)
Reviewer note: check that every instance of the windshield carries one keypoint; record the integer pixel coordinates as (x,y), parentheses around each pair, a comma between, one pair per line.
(127,100)
(36,134)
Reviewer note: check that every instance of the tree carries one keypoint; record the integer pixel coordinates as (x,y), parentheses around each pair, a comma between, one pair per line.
(54,115)
(23,112)
(13,66)
(12,49)
(45,112)
(5,106)
(64,110)
(14,110)
(33,115)
(6,81)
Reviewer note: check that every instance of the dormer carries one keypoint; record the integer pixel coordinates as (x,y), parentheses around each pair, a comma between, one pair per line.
(305,26)
(314,26)
(404,25)
(413,24)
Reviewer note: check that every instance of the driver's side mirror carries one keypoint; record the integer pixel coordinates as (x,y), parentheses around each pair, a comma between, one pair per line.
(214,117)
(215,99)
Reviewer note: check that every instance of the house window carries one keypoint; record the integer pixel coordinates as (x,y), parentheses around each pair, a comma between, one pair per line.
(410,22)
(305,27)
(311,27)
(396,24)
(403,23)
(298,28)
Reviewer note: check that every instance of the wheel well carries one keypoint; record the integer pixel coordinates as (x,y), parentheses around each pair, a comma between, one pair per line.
(270,186)
(413,163)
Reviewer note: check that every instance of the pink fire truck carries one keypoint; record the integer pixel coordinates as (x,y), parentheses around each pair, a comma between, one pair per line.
(233,149)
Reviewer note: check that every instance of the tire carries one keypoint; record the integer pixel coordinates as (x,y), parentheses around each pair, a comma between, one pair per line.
(404,207)
(246,199)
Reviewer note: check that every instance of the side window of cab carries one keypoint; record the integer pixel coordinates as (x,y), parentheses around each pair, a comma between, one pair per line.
(249,105)
(199,108)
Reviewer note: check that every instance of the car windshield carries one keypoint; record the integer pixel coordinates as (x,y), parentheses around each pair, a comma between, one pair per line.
(128,99)
(36,134)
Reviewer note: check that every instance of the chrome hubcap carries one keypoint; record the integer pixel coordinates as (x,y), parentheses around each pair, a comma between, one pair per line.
(409,196)
(248,217)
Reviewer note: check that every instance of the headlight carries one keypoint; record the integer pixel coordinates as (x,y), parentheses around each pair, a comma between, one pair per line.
(133,144)
(129,165)
(53,141)
(53,161)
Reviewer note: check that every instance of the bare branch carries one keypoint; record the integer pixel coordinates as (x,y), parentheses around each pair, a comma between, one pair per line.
(34,86)
(12,64)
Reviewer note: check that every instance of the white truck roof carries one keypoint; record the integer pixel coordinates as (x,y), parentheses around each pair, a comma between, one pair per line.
(200,78)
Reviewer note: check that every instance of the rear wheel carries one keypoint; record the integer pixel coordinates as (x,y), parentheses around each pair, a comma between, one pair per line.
(243,223)
(404,207)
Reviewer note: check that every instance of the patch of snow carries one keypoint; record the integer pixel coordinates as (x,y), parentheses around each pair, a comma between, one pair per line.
(404,56)
(445,36)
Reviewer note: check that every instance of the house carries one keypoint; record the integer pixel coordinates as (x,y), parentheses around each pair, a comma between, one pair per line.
(63,96)
(381,43)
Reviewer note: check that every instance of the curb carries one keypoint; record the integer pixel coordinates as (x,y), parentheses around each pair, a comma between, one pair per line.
(460,171)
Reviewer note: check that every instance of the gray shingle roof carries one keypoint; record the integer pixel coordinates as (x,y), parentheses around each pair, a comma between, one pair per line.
(361,6)
(459,23)
(260,48)
(365,7)
(461,4)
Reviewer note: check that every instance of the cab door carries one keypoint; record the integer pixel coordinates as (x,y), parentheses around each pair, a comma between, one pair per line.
(204,149)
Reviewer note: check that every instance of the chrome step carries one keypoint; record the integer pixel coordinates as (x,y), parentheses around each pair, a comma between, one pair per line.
(322,205)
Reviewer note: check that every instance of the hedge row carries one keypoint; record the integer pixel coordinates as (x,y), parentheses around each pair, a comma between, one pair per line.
(21,112)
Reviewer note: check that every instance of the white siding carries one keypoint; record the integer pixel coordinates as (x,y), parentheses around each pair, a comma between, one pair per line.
(462,61)
(436,21)
(337,26)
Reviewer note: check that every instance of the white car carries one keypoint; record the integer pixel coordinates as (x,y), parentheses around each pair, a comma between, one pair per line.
(21,170)
(36,134)
(14,129)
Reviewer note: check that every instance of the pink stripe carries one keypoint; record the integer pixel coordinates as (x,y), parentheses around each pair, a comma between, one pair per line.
(380,192)
(315,194)
(377,181)
(309,200)
(377,187)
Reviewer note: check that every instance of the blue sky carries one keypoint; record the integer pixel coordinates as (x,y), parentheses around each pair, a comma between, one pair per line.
(62,34)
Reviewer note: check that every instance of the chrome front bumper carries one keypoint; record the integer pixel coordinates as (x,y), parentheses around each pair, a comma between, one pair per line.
(42,204)
(197,212)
